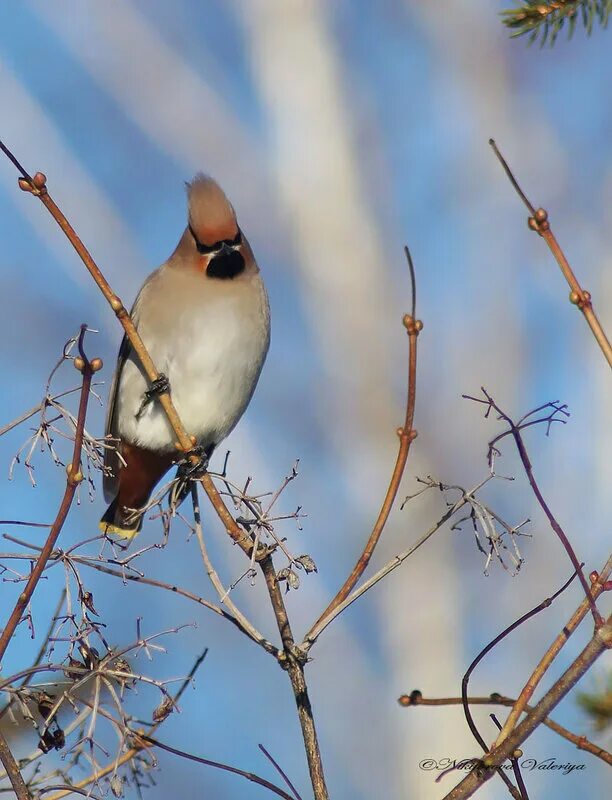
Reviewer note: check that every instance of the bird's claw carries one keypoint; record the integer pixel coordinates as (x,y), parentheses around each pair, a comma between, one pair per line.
(160,385)
(190,471)
(187,472)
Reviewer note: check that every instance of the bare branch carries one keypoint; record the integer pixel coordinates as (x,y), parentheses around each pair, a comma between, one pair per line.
(538,222)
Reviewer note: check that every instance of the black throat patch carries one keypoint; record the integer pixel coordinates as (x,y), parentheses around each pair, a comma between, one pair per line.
(226,264)
(227,261)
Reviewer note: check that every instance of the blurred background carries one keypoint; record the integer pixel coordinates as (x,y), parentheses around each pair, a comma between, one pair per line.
(340,131)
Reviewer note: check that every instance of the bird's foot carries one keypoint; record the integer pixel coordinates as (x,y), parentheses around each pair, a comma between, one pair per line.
(187,472)
(160,385)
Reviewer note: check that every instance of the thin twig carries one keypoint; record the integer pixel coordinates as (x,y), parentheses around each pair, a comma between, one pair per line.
(538,221)
(318,628)
(466,678)
(415,698)
(36,410)
(41,649)
(250,776)
(515,766)
(137,747)
(514,430)
(280,771)
(406,434)
(243,623)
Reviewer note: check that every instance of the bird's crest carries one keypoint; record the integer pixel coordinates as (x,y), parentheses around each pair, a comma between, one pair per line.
(211,215)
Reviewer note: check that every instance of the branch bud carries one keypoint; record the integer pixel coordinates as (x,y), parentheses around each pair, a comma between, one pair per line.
(413,326)
(75,478)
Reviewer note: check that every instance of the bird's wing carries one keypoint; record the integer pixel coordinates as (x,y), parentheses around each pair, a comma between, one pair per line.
(112,464)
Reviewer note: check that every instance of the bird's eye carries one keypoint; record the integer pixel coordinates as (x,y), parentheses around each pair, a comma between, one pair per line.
(206,249)
(235,242)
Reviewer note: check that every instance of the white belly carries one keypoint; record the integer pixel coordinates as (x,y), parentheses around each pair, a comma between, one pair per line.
(212,352)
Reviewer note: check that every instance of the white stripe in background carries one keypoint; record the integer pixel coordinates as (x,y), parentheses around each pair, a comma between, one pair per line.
(348,296)
(159,91)
(39,145)
(341,257)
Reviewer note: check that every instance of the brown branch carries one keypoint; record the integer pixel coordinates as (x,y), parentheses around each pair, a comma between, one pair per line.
(538,222)
(12,770)
(138,578)
(406,434)
(582,743)
(293,658)
(41,649)
(74,477)
(598,585)
(602,640)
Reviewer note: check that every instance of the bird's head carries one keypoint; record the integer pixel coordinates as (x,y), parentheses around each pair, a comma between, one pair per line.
(216,237)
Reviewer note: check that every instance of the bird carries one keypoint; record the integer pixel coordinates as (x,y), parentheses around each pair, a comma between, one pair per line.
(204,318)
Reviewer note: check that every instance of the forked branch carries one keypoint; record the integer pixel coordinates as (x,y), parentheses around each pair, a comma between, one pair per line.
(406,434)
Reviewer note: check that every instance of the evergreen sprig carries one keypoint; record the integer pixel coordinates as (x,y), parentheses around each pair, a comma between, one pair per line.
(544,19)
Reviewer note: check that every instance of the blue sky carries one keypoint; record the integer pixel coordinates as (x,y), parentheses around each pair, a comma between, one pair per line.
(341,131)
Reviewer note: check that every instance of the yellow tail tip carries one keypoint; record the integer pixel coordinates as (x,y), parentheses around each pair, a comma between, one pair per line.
(108,529)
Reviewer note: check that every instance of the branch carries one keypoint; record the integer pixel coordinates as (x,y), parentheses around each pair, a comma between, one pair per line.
(415,698)
(602,640)
(406,435)
(466,678)
(538,222)
(243,623)
(598,586)
(41,649)
(318,628)
(514,430)
(74,477)
(250,776)
(543,17)
(12,770)
(137,747)
(293,658)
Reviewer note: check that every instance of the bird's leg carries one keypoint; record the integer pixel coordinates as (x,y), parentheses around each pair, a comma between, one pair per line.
(187,472)
(160,385)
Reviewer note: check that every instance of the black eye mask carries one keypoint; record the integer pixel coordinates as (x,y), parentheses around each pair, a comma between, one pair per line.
(207,249)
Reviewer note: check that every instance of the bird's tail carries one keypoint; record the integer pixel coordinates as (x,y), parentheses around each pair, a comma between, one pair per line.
(116,523)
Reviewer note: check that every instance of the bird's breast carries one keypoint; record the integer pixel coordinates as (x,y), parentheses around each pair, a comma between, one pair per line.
(212,348)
